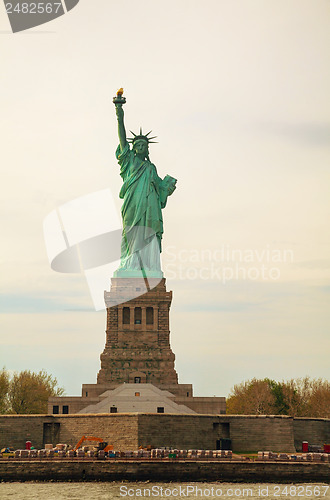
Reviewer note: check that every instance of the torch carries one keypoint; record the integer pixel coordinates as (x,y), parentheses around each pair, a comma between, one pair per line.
(119,99)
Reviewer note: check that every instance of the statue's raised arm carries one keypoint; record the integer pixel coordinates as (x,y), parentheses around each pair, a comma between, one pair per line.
(119,100)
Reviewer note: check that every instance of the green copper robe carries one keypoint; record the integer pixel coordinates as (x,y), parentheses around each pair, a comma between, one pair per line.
(144,194)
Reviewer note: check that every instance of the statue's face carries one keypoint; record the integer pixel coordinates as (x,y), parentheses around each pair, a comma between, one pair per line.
(141,148)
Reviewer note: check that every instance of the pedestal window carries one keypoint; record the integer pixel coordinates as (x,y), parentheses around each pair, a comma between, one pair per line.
(150,315)
(137,316)
(126,315)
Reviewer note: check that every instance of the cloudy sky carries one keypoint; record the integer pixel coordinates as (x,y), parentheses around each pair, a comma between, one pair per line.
(238,94)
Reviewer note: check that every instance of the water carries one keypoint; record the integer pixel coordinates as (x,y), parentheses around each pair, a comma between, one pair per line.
(120,491)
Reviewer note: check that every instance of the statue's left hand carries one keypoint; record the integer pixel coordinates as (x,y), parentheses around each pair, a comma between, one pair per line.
(169,184)
(171,187)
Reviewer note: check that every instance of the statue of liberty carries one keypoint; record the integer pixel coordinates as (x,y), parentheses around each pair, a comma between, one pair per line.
(144,196)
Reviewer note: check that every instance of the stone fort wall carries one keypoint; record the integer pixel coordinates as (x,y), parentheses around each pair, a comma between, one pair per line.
(313,430)
(121,430)
(129,431)
(248,433)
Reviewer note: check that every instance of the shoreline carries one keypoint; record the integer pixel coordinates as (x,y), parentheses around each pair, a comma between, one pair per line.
(165,471)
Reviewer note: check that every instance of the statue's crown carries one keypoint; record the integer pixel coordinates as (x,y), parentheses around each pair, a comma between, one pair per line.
(141,136)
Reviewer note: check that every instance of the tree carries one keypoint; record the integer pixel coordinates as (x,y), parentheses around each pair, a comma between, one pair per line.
(320,399)
(29,392)
(4,387)
(253,397)
(281,406)
(301,397)
(307,397)
(297,396)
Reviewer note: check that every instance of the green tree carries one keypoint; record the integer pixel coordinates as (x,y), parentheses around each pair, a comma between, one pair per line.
(4,388)
(29,392)
(280,404)
(297,396)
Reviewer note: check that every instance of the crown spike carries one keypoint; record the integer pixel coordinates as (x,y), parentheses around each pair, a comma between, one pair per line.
(137,137)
